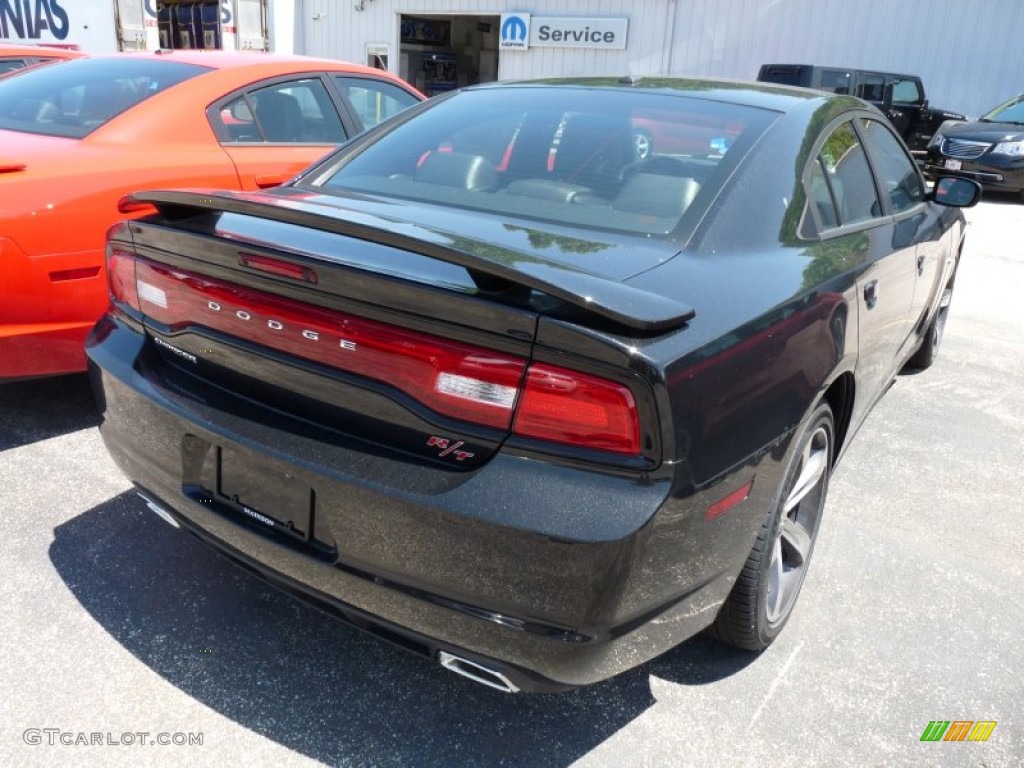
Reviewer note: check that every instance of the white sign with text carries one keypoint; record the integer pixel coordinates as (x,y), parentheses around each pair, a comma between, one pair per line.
(578,33)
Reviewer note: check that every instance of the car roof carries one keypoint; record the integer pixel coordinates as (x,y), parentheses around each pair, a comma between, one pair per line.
(781,98)
(235,59)
(40,51)
(861,70)
(221,74)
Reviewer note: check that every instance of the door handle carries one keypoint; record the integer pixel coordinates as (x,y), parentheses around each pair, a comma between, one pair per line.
(920,264)
(871,294)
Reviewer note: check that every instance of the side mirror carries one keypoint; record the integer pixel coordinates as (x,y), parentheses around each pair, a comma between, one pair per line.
(956,192)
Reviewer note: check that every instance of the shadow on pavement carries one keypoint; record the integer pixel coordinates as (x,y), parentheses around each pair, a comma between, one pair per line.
(1001,197)
(39,409)
(296,676)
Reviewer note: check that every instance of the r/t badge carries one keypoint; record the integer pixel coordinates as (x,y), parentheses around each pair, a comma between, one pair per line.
(449,448)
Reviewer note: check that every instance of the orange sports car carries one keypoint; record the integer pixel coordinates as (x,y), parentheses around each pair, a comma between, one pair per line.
(75,139)
(14,57)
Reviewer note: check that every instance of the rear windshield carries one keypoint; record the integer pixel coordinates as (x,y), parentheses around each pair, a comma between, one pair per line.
(784,75)
(79,96)
(616,159)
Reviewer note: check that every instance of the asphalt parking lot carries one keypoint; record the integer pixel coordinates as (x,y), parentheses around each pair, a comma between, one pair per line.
(115,624)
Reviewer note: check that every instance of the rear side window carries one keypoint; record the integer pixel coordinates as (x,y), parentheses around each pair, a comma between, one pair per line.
(78,97)
(821,201)
(292,112)
(373,101)
(849,176)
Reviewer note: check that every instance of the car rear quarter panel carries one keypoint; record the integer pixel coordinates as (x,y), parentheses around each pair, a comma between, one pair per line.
(64,205)
(60,209)
(776,316)
(776,324)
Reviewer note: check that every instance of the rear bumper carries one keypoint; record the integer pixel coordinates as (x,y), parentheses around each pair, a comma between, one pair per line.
(45,349)
(552,576)
(48,304)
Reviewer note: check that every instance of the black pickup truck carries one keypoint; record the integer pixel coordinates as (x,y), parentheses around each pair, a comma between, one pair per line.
(900,97)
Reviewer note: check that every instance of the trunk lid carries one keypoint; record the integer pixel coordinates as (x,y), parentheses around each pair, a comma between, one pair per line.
(497,252)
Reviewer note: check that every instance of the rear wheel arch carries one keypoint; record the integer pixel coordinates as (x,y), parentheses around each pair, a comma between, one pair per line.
(767,586)
(840,397)
(959,253)
(931,335)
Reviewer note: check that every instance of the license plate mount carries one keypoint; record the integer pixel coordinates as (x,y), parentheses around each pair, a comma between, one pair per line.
(273,499)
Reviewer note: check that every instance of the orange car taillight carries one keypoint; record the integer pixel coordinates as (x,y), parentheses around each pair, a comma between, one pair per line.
(458,380)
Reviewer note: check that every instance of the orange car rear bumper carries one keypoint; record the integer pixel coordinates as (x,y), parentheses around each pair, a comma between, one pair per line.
(28,351)
(47,306)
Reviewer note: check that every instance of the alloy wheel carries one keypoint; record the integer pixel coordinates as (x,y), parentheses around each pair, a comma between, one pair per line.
(798,525)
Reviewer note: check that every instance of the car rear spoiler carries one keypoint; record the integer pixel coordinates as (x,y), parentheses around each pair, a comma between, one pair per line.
(621,303)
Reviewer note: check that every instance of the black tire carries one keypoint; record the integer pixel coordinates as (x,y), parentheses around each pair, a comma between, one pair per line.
(929,348)
(766,590)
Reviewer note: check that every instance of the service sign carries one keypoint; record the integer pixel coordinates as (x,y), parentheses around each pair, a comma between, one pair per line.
(578,33)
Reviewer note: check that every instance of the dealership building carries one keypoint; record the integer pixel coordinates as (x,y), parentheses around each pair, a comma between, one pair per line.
(967,52)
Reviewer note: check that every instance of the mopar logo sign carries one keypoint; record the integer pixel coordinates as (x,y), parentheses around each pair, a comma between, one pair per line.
(515,31)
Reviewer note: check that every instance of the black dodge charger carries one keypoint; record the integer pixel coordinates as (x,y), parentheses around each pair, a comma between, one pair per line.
(490,385)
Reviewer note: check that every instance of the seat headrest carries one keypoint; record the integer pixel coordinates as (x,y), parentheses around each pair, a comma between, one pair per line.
(455,169)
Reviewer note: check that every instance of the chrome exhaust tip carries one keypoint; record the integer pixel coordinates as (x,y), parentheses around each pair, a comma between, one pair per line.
(476,672)
(159,511)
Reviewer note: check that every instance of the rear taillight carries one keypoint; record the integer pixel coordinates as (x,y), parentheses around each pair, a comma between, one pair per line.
(121,277)
(579,409)
(452,378)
